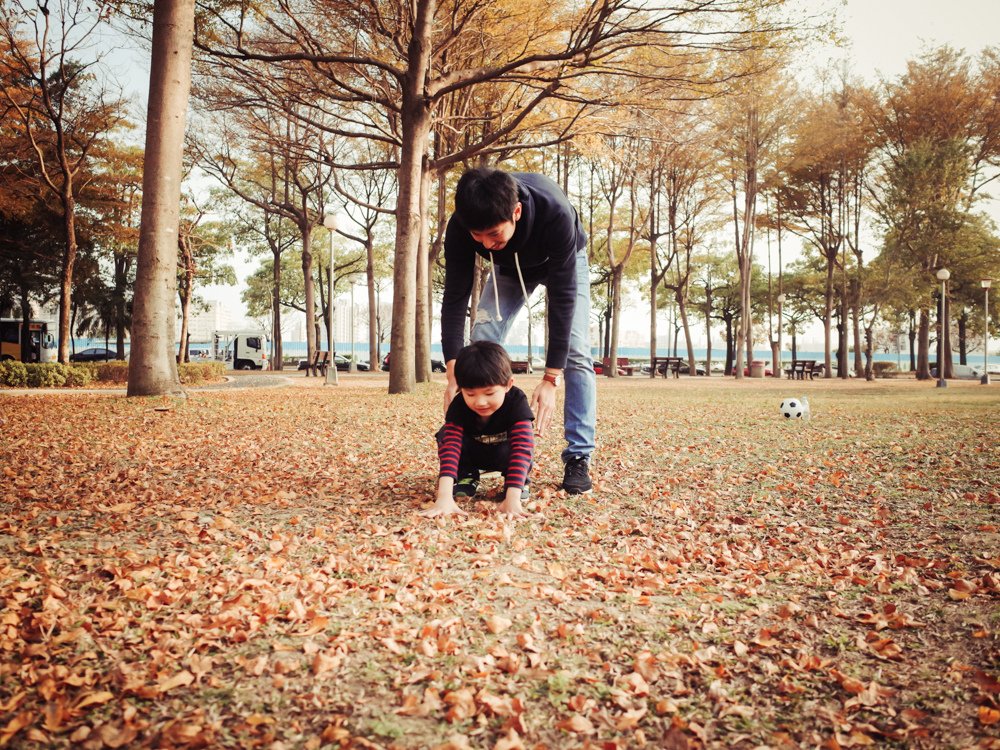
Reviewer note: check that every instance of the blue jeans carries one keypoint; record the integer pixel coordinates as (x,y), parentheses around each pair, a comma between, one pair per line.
(580,404)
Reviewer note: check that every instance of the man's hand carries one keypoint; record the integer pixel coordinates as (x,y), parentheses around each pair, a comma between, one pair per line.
(543,403)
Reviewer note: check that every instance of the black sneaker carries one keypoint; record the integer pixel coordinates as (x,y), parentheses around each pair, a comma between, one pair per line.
(576,479)
(466,487)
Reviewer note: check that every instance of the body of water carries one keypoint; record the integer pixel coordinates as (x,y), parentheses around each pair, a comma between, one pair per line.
(520,351)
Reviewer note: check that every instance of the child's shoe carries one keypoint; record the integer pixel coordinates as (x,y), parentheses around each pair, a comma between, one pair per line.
(466,487)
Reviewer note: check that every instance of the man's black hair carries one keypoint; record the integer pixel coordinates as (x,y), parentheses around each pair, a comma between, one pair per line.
(484,198)
(482,364)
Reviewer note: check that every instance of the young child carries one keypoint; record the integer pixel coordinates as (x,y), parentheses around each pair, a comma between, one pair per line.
(487,429)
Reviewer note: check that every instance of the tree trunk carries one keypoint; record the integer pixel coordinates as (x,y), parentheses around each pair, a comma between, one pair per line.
(312,340)
(277,355)
(963,348)
(422,354)
(827,323)
(869,371)
(152,369)
(945,361)
(69,261)
(184,293)
(616,310)
(730,347)
(121,283)
(923,346)
(415,122)
(374,361)
(708,333)
(859,364)
(652,320)
(686,327)
(27,355)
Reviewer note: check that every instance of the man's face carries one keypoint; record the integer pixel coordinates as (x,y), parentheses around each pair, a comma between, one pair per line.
(496,237)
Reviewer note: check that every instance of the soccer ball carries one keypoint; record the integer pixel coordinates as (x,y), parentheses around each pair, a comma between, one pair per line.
(794,408)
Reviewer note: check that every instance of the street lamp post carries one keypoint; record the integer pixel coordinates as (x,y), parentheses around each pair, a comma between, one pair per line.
(330,222)
(986,284)
(943,274)
(781,301)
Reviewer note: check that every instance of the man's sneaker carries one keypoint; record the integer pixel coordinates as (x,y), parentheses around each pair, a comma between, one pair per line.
(466,487)
(576,479)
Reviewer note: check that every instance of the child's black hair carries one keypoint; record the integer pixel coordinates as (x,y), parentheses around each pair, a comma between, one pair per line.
(485,197)
(482,364)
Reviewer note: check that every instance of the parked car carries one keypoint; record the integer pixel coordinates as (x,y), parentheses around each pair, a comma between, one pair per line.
(960,372)
(436,364)
(698,369)
(343,364)
(93,354)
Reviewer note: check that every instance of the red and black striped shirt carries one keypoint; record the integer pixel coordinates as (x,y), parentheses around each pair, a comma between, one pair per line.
(511,423)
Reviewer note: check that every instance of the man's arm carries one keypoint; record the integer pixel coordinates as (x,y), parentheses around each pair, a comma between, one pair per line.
(459,268)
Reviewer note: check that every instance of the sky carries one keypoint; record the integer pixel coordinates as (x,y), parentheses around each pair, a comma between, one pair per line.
(882,36)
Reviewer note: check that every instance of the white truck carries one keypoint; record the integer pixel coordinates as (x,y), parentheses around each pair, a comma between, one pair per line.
(241,350)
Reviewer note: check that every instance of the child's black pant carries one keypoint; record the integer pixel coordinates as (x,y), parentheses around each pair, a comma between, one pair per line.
(478,456)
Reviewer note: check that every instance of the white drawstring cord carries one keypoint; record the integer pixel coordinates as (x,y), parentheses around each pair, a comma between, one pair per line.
(520,277)
(496,294)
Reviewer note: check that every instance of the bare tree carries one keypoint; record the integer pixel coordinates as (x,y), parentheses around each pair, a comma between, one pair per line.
(389,67)
(152,368)
(62,110)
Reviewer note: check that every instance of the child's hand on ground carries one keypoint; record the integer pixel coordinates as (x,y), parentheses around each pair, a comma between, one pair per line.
(511,506)
(443,506)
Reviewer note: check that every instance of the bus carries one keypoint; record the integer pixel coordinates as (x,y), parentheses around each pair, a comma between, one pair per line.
(38,346)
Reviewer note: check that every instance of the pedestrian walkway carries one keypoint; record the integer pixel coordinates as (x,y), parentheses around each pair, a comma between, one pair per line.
(232,382)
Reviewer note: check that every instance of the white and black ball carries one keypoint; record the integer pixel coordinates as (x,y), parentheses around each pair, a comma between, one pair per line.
(792,408)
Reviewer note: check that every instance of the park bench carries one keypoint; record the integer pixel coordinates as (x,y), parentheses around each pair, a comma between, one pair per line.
(663,365)
(800,369)
(319,364)
(519,366)
(624,368)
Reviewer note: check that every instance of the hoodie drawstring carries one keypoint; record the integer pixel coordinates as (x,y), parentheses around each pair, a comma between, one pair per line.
(496,294)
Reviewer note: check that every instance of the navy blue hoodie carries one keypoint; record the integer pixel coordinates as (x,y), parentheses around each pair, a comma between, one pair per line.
(546,240)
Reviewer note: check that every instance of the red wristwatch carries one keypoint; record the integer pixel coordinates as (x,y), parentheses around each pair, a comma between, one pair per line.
(556,380)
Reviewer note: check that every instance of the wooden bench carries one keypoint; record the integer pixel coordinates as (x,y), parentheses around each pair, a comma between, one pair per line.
(800,369)
(624,368)
(319,364)
(663,365)
(520,366)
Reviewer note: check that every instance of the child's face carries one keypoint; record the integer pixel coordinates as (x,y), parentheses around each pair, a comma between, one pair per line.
(484,401)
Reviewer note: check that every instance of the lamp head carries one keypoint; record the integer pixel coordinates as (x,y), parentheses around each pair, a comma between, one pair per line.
(781,298)
(330,222)
(986,283)
(943,274)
